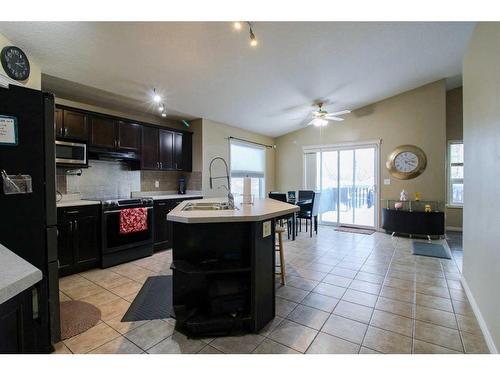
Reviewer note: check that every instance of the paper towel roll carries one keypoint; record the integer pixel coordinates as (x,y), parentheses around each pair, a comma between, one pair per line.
(247,190)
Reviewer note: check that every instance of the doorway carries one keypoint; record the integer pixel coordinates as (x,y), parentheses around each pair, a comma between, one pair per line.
(346,175)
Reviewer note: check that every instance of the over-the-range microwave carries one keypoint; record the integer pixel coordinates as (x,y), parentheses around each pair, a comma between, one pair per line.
(71,154)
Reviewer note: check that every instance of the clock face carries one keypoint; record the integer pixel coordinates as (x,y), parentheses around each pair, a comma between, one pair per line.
(406,162)
(15,63)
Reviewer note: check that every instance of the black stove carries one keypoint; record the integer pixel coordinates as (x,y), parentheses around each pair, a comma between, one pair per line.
(119,248)
(117,203)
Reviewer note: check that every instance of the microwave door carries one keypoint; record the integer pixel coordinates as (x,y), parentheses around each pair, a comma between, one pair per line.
(71,153)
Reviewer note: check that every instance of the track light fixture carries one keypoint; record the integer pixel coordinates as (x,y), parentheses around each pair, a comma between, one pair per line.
(253,39)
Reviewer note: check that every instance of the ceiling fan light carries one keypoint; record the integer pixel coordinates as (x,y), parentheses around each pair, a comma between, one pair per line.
(161,108)
(319,122)
(164,114)
(156,97)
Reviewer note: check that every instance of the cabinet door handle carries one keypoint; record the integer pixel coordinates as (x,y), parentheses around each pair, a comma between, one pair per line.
(161,204)
(76,225)
(72,212)
(71,226)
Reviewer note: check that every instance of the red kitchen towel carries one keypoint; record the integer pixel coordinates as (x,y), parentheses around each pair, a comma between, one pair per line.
(133,220)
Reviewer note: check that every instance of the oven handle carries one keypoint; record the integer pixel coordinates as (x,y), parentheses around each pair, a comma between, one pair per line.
(115,211)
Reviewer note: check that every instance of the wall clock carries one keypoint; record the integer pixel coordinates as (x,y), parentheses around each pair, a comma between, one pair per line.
(15,63)
(406,162)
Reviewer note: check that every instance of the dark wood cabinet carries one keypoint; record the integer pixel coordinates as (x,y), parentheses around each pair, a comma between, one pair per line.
(17,324)
(163,234)
(150,148)
(129,136)
(183,152)
(102,132)
(78,241)
(70,124)
(166,150)
(58,120)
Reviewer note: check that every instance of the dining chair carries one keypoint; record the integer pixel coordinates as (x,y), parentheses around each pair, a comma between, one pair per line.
(309,210)
(282,197)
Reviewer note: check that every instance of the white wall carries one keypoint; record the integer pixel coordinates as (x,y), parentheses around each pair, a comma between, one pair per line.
(481,97)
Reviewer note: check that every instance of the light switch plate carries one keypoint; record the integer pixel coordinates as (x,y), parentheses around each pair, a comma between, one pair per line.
(157,184)
(266,229)
(387,181)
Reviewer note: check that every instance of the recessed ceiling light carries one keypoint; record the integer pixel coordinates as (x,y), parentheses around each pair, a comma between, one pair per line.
(237,25)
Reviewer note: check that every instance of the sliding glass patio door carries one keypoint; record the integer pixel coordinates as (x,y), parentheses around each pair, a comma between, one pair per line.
(347,178)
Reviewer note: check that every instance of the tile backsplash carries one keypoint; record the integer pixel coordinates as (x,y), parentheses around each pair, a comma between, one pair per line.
(114,179)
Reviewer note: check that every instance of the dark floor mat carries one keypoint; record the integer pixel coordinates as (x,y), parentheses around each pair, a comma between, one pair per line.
(430,250)
(154,300)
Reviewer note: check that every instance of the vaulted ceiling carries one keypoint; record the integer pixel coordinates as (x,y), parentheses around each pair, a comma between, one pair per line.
(207,69)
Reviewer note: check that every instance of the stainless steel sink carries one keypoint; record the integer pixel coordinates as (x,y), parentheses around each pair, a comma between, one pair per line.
(207,206)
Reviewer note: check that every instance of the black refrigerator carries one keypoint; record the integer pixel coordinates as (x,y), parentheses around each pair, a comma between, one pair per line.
(28,219)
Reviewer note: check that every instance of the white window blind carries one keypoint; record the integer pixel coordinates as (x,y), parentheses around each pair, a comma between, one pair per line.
(247,160)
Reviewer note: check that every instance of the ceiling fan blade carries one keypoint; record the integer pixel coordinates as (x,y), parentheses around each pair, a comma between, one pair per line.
(332,118)
(339,113)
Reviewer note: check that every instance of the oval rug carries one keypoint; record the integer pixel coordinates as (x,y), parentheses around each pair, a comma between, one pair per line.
(77,317)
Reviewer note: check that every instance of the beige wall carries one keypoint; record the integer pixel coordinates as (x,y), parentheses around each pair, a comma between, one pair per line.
(415,117)
(481,267)
(454,132)
(35,78)
(216,143)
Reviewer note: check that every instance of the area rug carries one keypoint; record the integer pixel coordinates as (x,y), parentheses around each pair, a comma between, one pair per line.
(354,230)
(154,300)
(428,249)
(77,317)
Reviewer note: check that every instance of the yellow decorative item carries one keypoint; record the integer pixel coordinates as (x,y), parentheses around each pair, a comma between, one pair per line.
(428,208)
(417,196)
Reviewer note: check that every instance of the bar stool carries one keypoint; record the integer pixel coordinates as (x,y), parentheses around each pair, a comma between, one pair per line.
(279,247)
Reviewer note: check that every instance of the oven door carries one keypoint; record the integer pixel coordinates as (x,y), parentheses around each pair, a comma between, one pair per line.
(114,241)
(72,154)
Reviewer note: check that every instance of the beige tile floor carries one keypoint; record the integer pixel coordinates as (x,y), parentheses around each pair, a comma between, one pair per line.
(345,293)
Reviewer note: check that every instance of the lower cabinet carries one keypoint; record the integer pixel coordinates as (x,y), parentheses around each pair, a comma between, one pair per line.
(163,228)
(17,324)
(78,243)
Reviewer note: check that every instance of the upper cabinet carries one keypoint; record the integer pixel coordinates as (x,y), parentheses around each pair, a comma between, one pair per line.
(150,150)
(108,136)
(166,150)
(107,133)
(70,124)
(129,136)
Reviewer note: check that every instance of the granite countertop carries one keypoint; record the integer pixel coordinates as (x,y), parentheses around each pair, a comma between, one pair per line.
(161,195)
(16,275)
(262,209)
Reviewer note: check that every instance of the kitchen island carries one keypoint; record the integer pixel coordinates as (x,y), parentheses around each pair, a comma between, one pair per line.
(224,264)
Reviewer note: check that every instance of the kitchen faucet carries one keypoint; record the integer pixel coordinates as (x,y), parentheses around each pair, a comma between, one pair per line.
(230,197)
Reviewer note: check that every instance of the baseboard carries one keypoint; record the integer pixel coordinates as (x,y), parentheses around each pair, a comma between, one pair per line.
(482,323)
(454,229)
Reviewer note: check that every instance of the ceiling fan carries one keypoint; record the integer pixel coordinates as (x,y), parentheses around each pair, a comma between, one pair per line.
(322,116)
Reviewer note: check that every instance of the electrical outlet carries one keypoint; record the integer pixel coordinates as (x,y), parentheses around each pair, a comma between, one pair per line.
(157,184)
(387,181)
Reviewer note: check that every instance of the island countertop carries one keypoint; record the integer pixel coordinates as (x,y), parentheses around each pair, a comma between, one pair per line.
(261,209)
(16,275)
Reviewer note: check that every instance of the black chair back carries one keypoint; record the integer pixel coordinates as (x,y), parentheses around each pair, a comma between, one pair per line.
(292,196)
(305,194)
(278,196)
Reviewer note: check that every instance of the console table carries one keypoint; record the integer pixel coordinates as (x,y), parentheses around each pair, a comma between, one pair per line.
(412,219)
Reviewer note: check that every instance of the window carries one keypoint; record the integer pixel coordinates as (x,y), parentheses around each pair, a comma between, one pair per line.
(247,160)
(456,173)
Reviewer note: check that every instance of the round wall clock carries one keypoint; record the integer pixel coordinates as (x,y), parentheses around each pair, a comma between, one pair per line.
(15,63)
(406,162)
